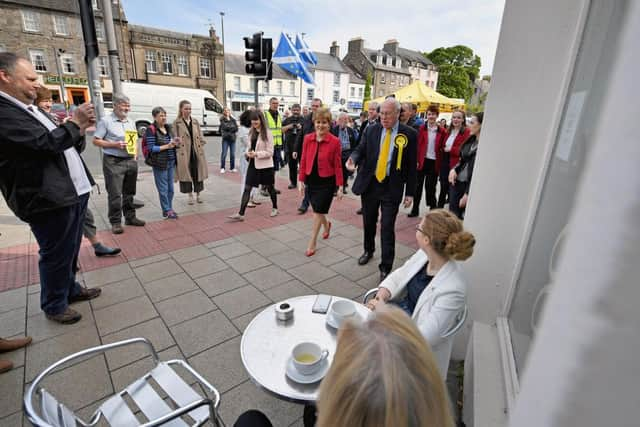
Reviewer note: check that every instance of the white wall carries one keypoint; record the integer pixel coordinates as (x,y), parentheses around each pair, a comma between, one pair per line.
(324,87)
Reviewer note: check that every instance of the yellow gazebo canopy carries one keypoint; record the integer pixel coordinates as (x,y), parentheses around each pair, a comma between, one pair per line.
(423,96)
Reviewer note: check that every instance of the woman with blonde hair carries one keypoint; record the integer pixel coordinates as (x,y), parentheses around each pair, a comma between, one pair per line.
(383,375)
(430,286)
(191,170)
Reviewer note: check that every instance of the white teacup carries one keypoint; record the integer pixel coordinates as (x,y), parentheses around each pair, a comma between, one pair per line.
(307,357)
(342,310)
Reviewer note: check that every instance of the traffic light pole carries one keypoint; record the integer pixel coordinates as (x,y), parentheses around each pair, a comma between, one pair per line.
(256,95)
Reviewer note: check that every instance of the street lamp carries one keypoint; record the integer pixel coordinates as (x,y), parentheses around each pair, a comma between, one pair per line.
(224,62)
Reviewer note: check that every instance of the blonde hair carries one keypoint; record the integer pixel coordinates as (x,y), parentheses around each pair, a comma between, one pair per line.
(447,235)
(322,114)
(383,375)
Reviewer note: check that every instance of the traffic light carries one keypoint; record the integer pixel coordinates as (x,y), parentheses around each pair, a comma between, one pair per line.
(258,56)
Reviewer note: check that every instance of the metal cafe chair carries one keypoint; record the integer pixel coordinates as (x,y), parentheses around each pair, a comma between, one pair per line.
(460,318)
(121,410)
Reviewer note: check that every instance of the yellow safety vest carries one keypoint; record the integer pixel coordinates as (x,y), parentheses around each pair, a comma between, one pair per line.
(275,127)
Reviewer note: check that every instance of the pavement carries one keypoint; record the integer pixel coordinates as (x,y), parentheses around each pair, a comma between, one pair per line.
(190,286)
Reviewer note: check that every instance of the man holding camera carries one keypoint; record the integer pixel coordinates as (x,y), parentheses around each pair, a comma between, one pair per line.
(291,126)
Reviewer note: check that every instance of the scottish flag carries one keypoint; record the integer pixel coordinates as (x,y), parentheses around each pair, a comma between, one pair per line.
(287,57)
(305,53)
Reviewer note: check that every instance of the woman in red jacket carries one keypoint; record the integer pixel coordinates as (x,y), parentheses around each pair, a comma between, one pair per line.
(321,172)
(448,152)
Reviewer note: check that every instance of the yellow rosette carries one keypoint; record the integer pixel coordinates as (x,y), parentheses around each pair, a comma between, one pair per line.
(400,142)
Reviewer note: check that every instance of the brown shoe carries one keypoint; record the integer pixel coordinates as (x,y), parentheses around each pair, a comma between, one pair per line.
(67,317)
(85,295)
(14,344)
(117,229)
(5,366)
(136,222)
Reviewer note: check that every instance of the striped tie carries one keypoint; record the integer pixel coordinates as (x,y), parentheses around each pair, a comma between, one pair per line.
(381,167)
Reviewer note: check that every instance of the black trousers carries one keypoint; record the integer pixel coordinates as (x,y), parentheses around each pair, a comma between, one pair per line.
(293,170)
(120,176)
(376,199)
(427,177)
(346,173)
(456,192)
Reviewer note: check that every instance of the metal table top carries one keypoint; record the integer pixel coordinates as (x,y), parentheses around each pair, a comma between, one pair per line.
(267,343)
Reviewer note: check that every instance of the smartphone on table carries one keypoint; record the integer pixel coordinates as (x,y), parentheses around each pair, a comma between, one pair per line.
(321,305)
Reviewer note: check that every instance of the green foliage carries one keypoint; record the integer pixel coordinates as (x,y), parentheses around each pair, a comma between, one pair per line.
(458,68)
(367,88)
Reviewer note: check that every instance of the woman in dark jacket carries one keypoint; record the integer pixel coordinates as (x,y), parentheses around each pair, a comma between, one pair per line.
(228,130)
(460,176)
(448,152)
(162,159)
(320,172)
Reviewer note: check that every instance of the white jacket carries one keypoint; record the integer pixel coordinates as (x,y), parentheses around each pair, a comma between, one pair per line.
(439,304)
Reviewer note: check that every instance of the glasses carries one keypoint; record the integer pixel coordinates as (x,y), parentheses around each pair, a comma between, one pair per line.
(421,230)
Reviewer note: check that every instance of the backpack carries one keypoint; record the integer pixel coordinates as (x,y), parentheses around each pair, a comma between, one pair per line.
(145,150)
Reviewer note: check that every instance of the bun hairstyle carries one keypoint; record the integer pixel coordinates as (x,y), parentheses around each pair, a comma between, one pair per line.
(447,235)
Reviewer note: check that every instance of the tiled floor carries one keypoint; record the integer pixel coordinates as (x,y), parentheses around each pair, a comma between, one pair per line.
(190,286)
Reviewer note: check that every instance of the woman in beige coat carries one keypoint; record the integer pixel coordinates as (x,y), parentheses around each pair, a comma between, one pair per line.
(191,168)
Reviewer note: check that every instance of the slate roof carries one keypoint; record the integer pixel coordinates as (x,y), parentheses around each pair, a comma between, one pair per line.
(370,52)
(413,56)
(327,62)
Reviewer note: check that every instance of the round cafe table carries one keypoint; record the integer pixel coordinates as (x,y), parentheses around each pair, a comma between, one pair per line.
(267,343)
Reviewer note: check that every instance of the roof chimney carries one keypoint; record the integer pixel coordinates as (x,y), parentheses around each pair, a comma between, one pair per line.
(334,49)
(356,44)
(391,47)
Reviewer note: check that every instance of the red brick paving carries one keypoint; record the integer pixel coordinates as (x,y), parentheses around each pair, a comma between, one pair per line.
(19,264)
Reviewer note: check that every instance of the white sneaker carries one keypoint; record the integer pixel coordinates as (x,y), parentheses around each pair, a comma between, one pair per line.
(221,170)
(274,212)
(234,170)
(236,217)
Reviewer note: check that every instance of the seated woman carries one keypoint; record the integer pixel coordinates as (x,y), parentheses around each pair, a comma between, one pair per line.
(430,286)
(382,375)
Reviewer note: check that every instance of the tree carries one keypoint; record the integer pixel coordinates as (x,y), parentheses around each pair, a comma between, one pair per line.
(458,68)
(367,88)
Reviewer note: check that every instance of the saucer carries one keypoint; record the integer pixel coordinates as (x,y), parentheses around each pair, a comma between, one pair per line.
(331,320)
(298,377)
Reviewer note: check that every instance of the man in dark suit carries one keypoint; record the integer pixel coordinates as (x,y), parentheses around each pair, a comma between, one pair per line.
(45,183)
(386,157)
(348,143)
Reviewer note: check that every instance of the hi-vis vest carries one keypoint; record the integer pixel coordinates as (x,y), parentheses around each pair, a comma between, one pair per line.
(275,128)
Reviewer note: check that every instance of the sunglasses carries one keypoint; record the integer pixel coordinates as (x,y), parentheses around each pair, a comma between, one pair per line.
(421,230)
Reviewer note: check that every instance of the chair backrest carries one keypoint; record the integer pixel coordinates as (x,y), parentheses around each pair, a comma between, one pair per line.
(54,412)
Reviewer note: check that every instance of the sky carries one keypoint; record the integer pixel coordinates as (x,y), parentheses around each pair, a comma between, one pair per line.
(421,26)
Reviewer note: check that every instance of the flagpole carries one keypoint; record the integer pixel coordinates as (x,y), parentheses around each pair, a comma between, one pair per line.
(303,34)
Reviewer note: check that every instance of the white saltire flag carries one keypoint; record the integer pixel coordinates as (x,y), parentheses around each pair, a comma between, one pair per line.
(287,57)
(305,53)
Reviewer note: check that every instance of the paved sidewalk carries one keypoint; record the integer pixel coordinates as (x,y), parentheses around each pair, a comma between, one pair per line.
(191,286)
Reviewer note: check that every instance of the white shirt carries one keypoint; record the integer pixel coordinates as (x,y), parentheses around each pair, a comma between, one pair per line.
(74,163)
(432,132)
(449,143)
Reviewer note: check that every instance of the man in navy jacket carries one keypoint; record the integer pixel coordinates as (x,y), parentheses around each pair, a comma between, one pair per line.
(386,160)
(45,183)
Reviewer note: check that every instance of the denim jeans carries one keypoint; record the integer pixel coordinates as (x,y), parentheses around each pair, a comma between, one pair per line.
(231,146)
(164,184)
(59,234)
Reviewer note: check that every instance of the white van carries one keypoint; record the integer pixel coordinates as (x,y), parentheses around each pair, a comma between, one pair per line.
(145,97)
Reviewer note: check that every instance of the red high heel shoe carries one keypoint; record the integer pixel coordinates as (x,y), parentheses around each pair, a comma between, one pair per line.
(325,235)
(310,252)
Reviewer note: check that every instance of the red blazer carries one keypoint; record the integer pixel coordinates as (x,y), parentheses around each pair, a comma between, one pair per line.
(329,157)
(423,141)
(454,154)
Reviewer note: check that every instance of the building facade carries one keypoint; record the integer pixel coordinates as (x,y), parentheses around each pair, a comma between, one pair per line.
(176,59)
(420,67)
(50,35)
(334,83)
(241,86)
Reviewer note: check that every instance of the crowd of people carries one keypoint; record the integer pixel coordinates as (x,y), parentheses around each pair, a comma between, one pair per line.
(393,154)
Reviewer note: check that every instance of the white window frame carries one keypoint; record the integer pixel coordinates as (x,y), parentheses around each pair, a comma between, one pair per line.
(167,63)
(33,56)
(68,59)
(150,61)
(183,65)
(336,79)
(103,66)
(94,4)
(237,83)
(30,21)
(100,30)
(279,87)
(336,96)
(266,87)
(205,67)
(310,94)
(292,88)
(60,25)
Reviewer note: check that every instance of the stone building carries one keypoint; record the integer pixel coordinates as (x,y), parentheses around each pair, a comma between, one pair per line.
(390,68)
(48,30)
(176,59)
